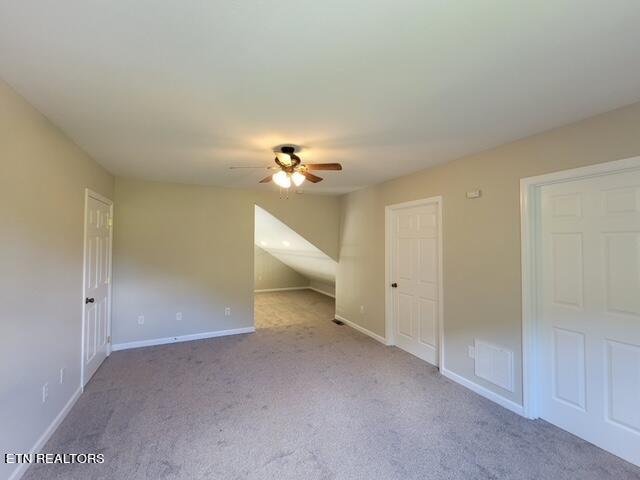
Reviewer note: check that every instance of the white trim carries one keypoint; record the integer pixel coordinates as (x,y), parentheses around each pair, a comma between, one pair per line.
(88,193)
(357,327)
(99,197)
(285,289)
(484,392)
(181,338)
(387,271)
(21,469)
(322,292)
(529,193)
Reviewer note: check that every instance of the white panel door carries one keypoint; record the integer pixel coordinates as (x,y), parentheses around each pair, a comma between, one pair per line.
(97,277)
(414,238)
(589,337)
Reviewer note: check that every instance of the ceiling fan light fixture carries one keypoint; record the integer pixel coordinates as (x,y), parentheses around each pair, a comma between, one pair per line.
(291,170)
(283,158)
(282,179)
(297,178)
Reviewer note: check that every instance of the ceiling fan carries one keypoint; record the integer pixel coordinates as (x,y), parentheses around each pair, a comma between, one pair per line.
(291,170)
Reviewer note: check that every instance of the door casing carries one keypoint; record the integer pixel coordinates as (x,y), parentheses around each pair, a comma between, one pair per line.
(530,256)
(389,317)
(91,194)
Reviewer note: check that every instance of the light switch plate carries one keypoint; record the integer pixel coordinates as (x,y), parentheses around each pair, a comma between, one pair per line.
(474,194)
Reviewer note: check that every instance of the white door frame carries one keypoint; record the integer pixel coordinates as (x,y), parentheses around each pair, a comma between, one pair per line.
(91,194)
(529,229)
(389,317)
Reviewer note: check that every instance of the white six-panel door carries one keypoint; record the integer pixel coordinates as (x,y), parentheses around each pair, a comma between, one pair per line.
(97,277)
(414,274)
(589,330)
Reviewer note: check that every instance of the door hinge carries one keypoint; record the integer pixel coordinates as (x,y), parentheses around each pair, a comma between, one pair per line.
(109,339)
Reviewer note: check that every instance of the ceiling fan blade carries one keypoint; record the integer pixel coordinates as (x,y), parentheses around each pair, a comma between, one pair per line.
(323,166)
(311,177)
(264,168)
(266,179)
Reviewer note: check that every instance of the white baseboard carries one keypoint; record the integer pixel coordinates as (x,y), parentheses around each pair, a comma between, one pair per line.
(357,327)
(181,338)
(44,438)
(322,292)
(494,397)
(286,289)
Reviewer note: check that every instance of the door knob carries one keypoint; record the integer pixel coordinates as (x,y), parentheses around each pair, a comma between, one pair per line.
(394,285)
(89,300)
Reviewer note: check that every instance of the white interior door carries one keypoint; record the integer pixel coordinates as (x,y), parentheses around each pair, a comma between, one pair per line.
(415,279)
(589,305)
(97,279)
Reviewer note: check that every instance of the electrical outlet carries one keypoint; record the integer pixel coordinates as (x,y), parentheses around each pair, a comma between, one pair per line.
(45,392)
(361,308)
(179,316)
(140,319)
(472,352)
(62,375)
(227,312)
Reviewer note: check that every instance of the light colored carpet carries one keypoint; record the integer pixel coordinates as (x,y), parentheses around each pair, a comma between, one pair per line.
(303,398)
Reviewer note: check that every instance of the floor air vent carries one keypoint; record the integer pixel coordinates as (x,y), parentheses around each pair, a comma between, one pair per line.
(338,322)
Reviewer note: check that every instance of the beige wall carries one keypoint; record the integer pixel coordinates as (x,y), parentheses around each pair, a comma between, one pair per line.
(43,176)
(269,272)
(189,249)
(325,287)
(482,294)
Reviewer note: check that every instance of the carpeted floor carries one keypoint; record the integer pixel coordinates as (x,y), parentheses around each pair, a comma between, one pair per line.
(303,399)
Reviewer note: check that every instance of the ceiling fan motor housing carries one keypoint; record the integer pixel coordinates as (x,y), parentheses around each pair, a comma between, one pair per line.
(288,149)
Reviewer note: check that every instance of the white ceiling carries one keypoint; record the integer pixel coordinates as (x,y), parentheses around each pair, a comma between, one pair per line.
(181,90)
(291,248)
